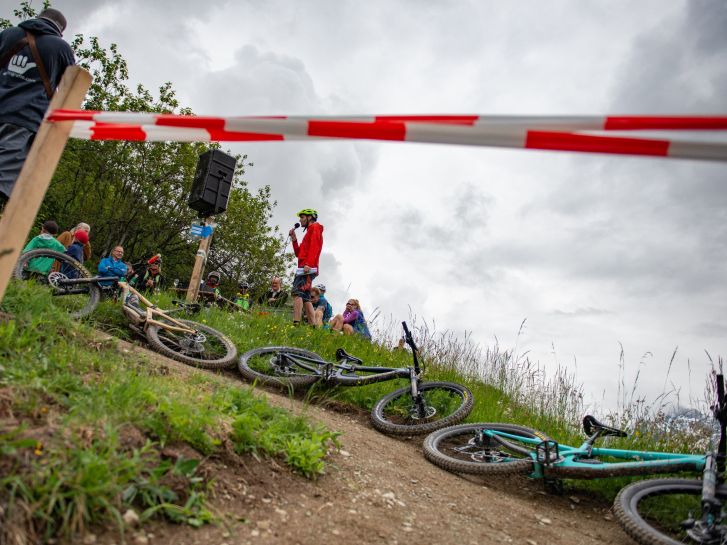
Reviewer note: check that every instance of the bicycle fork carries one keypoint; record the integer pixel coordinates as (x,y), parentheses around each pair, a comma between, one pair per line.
(708,529)
(420,405)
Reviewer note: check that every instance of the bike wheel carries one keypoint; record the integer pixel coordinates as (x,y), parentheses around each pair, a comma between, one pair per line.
(445,403)
(464,449)
(267,365)
(652,512)
(78,300)
(206,348)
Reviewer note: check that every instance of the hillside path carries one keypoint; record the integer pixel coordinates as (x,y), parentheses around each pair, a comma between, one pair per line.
(378,489)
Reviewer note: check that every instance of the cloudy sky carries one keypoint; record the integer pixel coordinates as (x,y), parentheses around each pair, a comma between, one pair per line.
(592,250)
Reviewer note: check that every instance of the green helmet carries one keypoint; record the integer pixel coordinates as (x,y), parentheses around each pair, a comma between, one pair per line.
(308,212)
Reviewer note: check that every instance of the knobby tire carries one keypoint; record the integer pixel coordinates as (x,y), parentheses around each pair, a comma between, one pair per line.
(403,424)
(164,342)
(455,450)
(265,373)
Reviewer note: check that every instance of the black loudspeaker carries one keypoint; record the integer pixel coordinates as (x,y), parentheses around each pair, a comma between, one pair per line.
(212,183)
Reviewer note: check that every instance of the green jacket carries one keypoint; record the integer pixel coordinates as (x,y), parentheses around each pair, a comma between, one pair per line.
(43,241)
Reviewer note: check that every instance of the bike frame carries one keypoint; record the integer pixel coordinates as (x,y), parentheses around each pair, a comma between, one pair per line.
(150,312)
(336,372)
(568,456)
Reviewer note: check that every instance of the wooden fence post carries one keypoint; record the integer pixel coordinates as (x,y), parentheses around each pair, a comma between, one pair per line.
(199,263)
(35,177)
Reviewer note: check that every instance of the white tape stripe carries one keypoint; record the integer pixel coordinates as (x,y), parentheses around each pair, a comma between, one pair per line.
(698,150)
(290,127)
(545,123)
(473,136)
(155,133)
(126,118)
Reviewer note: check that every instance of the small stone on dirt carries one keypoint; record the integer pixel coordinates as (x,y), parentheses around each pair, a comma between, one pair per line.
(90,539)
(574,499)
(531,542)
(131,519)
(543,520)
(345,453)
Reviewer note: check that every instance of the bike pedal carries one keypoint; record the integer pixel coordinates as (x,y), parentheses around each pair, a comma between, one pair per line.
(547,453)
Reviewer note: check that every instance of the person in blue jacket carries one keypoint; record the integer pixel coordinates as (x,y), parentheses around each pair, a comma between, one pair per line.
(28,78)
(75,250)
(113,266)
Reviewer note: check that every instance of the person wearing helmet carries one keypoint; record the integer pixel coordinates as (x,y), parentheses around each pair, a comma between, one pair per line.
(321,288)
(242,299)
(307,252)
(212,285)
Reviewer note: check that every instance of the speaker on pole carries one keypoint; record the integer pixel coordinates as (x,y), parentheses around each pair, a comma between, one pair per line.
(212,183)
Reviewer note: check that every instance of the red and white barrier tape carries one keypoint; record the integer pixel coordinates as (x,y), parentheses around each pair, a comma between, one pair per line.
(532,132)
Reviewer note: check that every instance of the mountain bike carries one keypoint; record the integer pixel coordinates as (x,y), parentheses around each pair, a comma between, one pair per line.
(72,286)
(182,340)
(675,511)
(418,408)
(659,511)
(77,291)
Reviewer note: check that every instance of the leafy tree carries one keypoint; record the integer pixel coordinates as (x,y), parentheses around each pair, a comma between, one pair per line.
(135,193)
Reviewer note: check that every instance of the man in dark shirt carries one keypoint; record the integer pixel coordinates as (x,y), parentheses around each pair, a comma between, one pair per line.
(33,57)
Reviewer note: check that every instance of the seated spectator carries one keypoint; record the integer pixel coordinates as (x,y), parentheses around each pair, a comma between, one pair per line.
(151,280)
(276,295)
(75,250)
(211,287)
(242,299)
(44,241)
(321,307)
(113,267)
(66,238)
(352,320)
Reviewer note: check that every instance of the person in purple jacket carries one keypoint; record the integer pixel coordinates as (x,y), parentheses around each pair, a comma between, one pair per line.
(352,320)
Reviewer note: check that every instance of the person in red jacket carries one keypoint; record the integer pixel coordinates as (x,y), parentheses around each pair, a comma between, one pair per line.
(307,253)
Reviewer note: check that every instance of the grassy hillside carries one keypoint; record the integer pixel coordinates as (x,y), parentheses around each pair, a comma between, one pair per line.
(84,427)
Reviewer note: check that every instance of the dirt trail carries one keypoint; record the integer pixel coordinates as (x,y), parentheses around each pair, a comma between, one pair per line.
(378,489)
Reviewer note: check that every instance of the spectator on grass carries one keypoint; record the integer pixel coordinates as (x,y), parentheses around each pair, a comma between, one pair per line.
(66,238)
(212,285)
(76,251)
(276,295)
(44,241)
(151,280)
(113,266)
(242,299)
(321,307)
(352,320)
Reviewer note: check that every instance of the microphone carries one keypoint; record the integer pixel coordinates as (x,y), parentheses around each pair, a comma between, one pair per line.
(296,225)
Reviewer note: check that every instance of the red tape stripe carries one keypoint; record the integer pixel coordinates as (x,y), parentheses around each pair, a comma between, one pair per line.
(350,129)
(565,141)
(111,131)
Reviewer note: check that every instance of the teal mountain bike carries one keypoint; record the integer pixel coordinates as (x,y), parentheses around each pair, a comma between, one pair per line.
(659,511)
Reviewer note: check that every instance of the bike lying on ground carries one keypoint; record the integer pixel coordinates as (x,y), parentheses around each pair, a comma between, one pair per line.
(418,408)
(78,292)
(658,511)
(675,511)
(73,287)
(183,340)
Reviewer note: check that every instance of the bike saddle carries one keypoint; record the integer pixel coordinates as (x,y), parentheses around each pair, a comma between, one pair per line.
(591,426)
(341,354)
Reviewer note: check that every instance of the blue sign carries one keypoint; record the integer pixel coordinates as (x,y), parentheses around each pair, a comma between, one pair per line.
(201,231)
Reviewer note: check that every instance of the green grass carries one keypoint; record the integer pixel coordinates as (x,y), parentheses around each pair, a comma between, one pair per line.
(83,427)
(95,393)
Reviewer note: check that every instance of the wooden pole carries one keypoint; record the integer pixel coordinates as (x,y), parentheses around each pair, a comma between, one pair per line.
(38,169)
(199,263)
